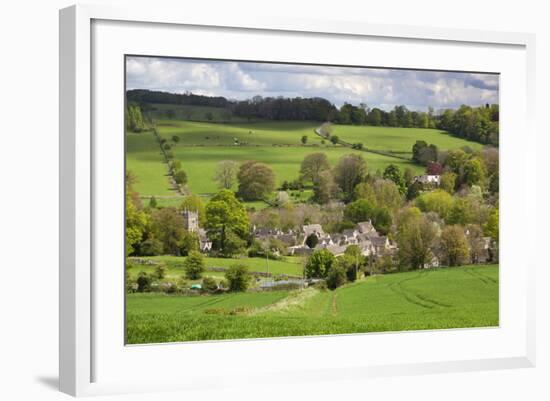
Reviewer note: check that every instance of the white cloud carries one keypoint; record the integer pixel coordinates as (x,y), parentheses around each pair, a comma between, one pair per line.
(374,86)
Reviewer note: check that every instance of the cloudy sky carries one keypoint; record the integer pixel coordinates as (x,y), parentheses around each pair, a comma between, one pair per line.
(383,88)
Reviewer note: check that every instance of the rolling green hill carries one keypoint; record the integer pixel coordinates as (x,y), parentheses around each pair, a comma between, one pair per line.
(144,159)
(429,299)
(202,145)
(396,139)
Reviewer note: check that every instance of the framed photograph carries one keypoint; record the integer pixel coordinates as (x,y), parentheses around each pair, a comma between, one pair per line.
(289,200)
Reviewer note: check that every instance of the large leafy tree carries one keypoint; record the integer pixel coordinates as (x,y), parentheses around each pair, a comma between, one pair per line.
(392,173)
(424,153)
(350,171)
(226,174)
(476,243)
(237,277)
(168,227)
(256,180)
(325,188)
(313,165)
(319,264)
(454,245)
(225,217)
(360,210)
(387,194)
(136,219)
(438,201)
(474,172)
(364,190)
(448,182)
(134,119)
(337,275)
(491,227)
(416,237)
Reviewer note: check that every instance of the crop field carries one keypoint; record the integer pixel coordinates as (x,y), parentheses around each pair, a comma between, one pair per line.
(429,299)
(394,139)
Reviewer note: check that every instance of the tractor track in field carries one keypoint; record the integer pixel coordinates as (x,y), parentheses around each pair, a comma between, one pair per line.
(334,306)
(208,302)
(414,298)
(480,276)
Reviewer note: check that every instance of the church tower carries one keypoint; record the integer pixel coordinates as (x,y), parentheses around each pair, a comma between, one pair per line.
(190,220)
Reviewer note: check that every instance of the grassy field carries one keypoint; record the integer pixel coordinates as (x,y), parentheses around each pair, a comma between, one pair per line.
(430,299)
(200,162)
(202,145)
(260,133)
(145,161)
(399,139)
(291,266)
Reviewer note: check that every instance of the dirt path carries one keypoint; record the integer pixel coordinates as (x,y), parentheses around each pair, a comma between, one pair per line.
(293,301)
(334,306)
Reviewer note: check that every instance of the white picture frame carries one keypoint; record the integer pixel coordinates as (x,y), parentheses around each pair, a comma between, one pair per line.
(90,362)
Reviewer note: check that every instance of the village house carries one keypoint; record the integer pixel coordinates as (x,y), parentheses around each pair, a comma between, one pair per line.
(363,235)
(191,224)
(428,179)
(289,238)
(317,230)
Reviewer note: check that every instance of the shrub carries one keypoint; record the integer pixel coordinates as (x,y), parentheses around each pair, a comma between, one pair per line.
(151,247)
(130,285)
(144,282)
(296,185)
(153,202)
(180,177)
(182,284)
(209,284)
(160,271)
(193,265)
(319,264)
(336,277)
(175,165)
(237,277)
(168,287)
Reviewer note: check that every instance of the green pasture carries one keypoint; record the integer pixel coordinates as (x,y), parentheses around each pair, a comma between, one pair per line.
(394,139)
(290,265)
(202,145)
(144,159)
(200,162)
(259,133)
(430,299)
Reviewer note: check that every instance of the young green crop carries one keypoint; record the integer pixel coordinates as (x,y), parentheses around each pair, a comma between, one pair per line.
(428,299)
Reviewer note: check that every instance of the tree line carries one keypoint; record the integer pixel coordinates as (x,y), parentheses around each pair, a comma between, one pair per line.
(480,124)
